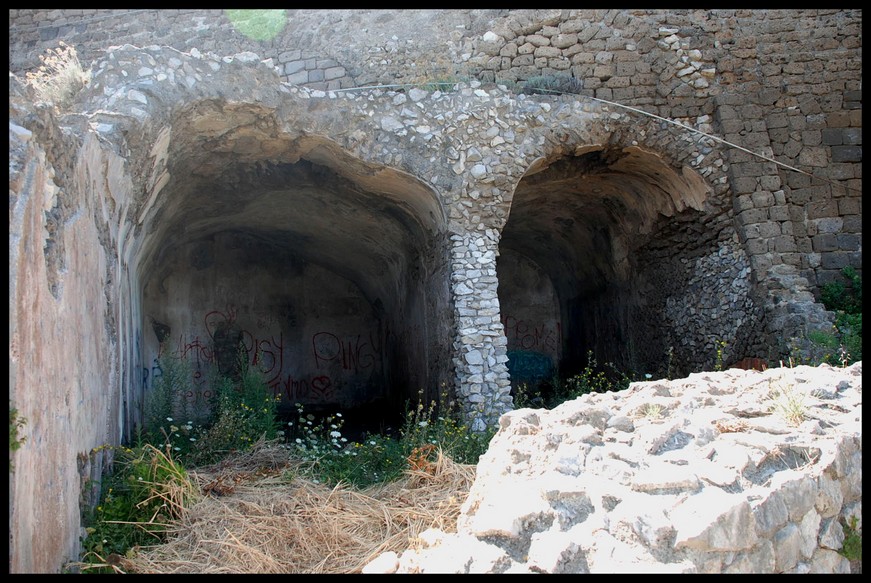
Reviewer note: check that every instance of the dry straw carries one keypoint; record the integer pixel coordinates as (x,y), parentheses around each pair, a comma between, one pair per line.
(267,523)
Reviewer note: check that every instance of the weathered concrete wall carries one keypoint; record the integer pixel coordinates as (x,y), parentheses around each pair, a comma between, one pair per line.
(63,365)
(656,240)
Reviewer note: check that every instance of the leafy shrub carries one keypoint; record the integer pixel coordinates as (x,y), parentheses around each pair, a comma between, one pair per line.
(240,413)
(427,425)
(843,296)
(332,459)
(243,413)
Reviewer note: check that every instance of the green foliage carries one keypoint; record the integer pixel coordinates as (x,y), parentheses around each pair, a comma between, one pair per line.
(841,346)
(374,459)
(332,459)
(241,413)
(166,400)
(258,24)
(16,440)
(852,547)
(844,296)
(145,492)
(430,426)
(592,379)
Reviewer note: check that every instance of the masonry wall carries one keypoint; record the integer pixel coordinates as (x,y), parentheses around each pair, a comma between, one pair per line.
(785,84)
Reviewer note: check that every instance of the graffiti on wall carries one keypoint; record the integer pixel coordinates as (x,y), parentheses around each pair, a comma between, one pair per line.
(333,358)
(526,335)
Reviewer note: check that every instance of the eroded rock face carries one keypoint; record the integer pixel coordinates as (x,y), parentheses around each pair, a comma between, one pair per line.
(721,472)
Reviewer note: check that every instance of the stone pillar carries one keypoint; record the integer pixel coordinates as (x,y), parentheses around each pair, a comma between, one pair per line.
(480,347)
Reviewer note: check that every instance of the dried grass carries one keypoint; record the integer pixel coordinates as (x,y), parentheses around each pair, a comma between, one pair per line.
(59,77)
(268,523)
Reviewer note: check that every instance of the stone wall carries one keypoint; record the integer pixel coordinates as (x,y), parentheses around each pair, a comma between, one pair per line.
(661,243)
(784,84)
(724,472)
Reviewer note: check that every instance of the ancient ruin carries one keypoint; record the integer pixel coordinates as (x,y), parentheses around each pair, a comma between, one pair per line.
(375,204)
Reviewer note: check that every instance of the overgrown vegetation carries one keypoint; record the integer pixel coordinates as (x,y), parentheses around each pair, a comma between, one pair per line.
(592,379)
(60,77)
(842,345)
(146,492)
(332,459)
(150,483)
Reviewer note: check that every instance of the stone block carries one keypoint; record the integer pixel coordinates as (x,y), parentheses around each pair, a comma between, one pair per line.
(297,78)
(293,67)
(825,242)
(832,136)
(762,199)
(562,41)
(849,241)
(850,206)
(822,209)
(744,185)
(538,40)
(846,153)
(757,246)
(334,73)
(852,136)
(779,213)
(842,171)
(835,260)
(784,244)
(614,82)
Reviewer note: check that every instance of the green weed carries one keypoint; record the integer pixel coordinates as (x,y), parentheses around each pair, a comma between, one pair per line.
(852,547)
(16,440)
(146,492)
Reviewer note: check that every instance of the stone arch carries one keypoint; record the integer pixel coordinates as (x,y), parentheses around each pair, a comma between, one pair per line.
(573,270)
(330,271)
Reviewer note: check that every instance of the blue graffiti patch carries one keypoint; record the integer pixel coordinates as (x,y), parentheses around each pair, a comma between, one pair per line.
(526,365)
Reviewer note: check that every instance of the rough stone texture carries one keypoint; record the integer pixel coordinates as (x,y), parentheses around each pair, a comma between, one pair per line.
(697,475)
(192,171)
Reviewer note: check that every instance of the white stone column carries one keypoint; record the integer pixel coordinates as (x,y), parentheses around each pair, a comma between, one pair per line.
(480,346)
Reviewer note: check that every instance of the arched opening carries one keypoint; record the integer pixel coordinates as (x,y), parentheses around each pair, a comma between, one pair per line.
(569,270)
(327,274)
